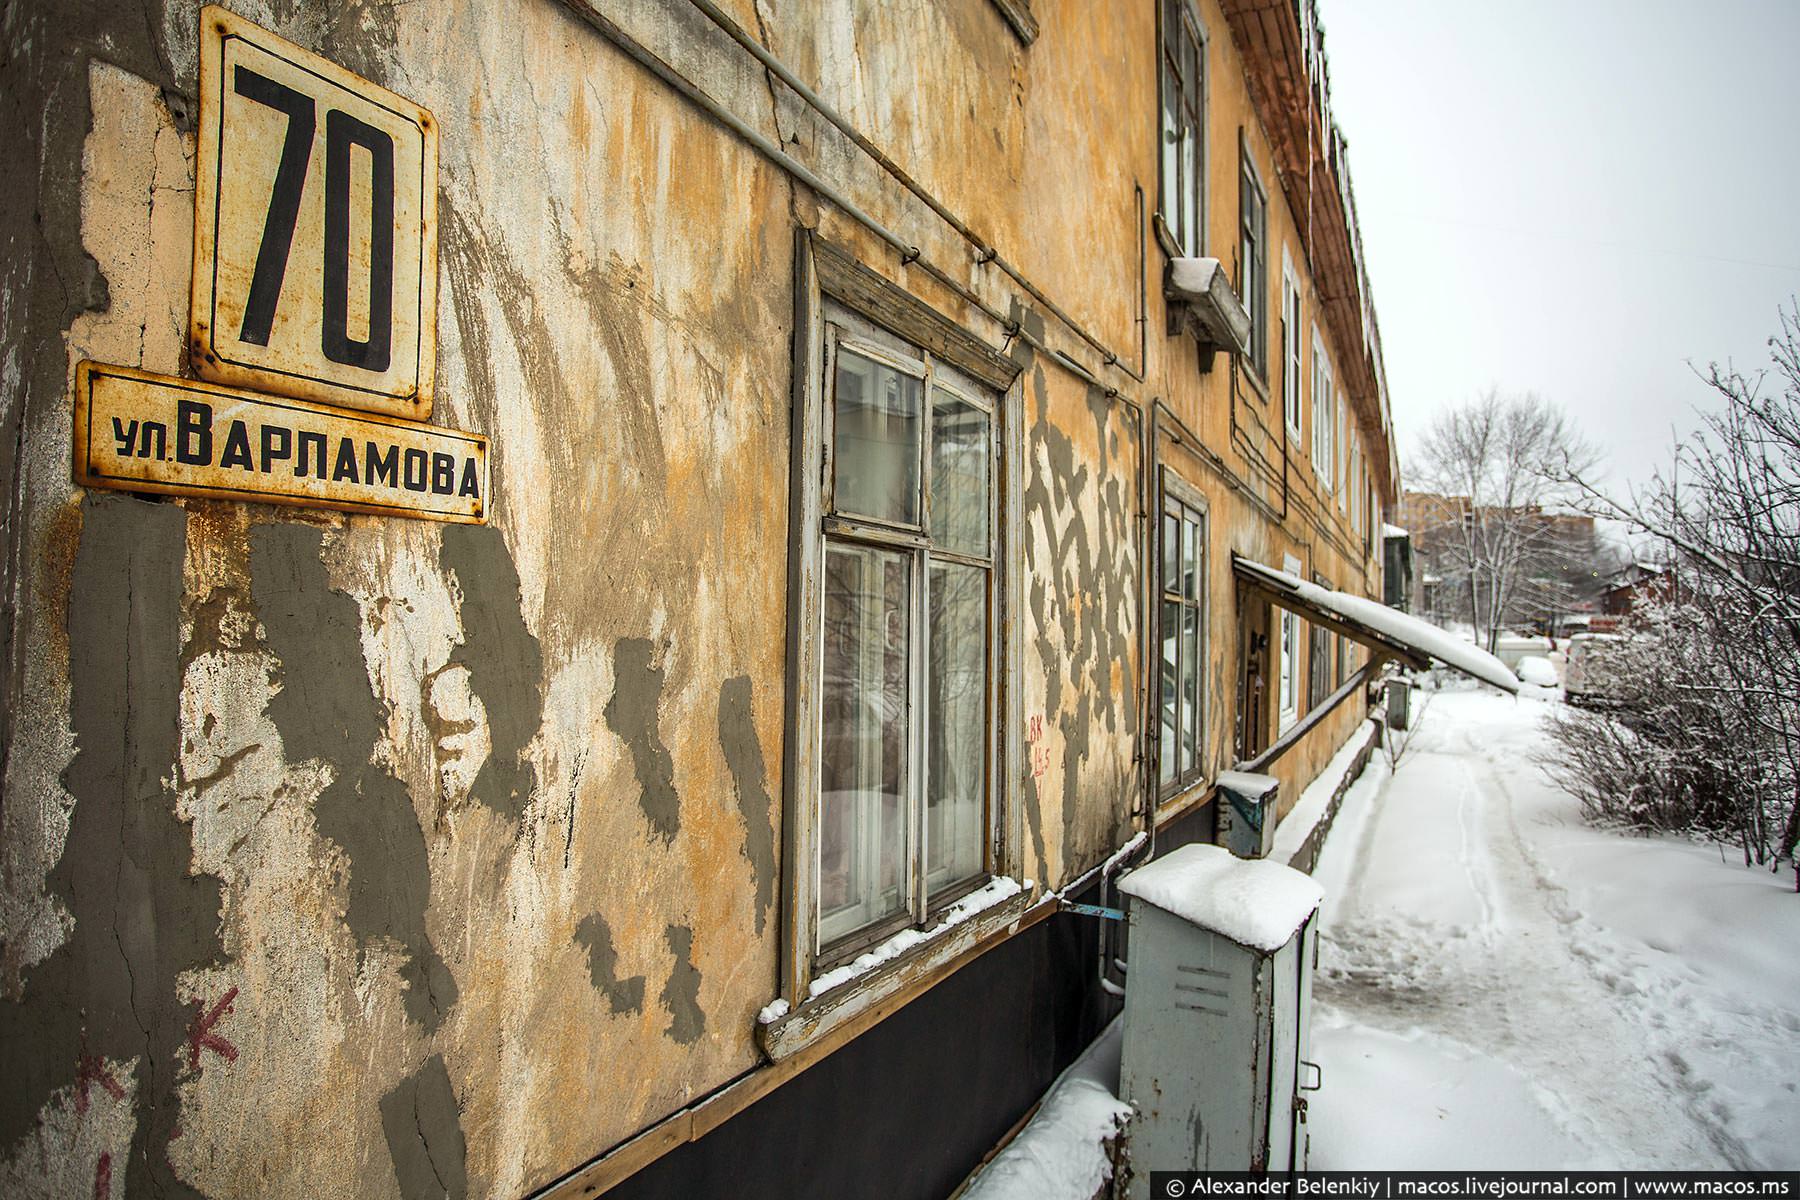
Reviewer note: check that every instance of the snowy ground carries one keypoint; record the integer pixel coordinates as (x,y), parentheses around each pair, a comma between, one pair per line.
(1501,985)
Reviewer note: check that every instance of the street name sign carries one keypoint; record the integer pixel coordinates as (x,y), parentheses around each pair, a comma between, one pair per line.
(152,433)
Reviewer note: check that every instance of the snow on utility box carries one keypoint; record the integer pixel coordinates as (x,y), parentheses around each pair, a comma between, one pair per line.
(1216,1017)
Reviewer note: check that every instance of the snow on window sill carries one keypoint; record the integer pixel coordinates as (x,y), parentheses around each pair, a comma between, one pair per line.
(840,994)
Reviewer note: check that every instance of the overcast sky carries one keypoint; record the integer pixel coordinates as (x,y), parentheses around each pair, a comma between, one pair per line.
(1572,198)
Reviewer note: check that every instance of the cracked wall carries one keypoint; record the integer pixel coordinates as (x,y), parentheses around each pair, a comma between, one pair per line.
(344,856)
(317,822)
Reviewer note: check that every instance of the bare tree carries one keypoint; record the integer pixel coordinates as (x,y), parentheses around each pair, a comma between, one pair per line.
(1502,466)
(1730,510)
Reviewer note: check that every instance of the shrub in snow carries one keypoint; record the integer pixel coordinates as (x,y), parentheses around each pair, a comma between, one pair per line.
(1678,745)
(1729,515)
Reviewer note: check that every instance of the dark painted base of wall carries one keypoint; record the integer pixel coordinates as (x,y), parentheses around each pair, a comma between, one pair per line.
(908,1109)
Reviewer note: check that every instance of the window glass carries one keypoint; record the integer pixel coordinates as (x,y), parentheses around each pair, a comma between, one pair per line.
(863,822)
(961,449)
(1183,125)
(1171,703)
(1290,663)
(1171,144)
(1182,586)
(956,741)
(1190,689)
(876,432)
(906,701)
(1190,559)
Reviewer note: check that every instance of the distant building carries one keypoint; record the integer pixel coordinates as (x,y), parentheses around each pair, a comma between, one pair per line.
(1635,583)
(1558,553)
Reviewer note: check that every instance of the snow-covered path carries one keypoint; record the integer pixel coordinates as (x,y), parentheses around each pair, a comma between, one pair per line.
(1502,986)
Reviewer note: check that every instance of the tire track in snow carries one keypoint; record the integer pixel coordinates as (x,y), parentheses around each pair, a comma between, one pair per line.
(1519,984)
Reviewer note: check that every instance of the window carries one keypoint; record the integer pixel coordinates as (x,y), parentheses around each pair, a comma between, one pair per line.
(1323,402)
(907,716)
(1290,346)
(1340,455)
(1253,262)
(1183,133)
(1183,671)
(1353,483)
(1290,654)
(1318,675)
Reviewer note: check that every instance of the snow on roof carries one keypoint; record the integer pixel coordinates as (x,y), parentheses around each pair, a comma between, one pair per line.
(1254,902)
(1393,625)
(1388,531)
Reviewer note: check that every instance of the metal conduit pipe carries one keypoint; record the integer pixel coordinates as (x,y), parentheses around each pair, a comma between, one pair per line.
(985,250)
(909,253)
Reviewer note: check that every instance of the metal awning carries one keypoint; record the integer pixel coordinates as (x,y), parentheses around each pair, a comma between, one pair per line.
(1386,631)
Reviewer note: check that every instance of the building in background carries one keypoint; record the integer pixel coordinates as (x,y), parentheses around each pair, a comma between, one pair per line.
(883,406)
(1555,560)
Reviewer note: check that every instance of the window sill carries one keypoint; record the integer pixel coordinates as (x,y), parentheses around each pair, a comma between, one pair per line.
(1194,796)
(1259,385)
(831,1007)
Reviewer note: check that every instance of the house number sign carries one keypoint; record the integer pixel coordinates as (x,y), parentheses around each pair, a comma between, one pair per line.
(315,228)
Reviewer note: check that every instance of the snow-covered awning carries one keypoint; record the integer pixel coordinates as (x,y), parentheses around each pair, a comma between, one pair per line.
(1382,629)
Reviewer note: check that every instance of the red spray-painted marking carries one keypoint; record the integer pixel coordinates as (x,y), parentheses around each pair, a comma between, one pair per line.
(91,1069)
(103,1177)
(200,1033)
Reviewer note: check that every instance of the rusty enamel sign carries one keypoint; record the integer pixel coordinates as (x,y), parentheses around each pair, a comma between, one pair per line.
(152,433)
(315,227)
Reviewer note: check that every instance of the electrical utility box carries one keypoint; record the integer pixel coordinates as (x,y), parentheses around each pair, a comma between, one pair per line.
(1216,1014)
(1246,812)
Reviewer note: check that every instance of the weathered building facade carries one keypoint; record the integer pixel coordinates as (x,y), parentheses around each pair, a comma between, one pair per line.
(854,578)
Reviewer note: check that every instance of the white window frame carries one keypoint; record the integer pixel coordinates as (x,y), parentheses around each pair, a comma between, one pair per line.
(1289,686)
(1292,357)
(1323,421)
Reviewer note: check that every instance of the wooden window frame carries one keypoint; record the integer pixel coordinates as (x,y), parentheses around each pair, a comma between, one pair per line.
(882,318)
(1181,500)
(1173,216)
(1253,256)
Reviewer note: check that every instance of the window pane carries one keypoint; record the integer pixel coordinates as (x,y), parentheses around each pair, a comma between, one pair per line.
(1171,629)
(863,823)
(1290,661)
(875,458)
(1190,192)
(1190,687)
(961,451)
(1171,138)
(956,745)
(1171,551)
(1190,559)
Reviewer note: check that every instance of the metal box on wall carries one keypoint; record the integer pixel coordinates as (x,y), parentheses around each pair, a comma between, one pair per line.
(1216,1014)
(1246,810)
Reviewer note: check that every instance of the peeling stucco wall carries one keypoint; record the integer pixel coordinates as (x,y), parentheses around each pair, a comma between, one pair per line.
(459,843)
(344,856)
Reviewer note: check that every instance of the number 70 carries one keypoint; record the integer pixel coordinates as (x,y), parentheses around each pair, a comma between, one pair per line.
(341,132)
